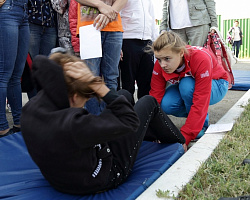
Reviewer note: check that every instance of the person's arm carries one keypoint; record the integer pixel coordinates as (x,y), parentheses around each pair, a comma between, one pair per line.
(101,6)
(165,16)
(201,96)
(102,20)
(211,12)
(158,83)
(73,26)
(118,5)
(119,117)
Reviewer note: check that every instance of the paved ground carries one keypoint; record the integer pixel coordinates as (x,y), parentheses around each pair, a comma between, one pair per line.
(215,111)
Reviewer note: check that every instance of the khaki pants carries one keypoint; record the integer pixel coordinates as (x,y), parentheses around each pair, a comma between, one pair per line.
(195,36)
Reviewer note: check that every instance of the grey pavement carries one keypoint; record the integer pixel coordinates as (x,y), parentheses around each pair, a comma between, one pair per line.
(215,111)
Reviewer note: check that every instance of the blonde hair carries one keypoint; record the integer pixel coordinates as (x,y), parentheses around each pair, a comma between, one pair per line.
(169,39)
(74,86)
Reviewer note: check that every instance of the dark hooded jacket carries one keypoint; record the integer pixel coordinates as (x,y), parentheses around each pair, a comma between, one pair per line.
(69,145)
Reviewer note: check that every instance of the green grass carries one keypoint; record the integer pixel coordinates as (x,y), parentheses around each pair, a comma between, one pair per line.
(223,174)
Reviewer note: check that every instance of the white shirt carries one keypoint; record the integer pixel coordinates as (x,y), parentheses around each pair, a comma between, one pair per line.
(138,20)
(236,34)
(179,14)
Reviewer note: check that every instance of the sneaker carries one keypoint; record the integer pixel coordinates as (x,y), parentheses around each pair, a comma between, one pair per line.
(201,133)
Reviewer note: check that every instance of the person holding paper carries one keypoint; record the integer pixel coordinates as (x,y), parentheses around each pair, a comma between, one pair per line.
(104,15)
(81,153)
(197,81)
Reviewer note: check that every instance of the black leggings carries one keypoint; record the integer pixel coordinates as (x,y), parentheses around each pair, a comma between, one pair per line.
(125,149)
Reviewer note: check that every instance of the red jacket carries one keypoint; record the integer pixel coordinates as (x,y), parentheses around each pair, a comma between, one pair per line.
(73,25)
(202,65)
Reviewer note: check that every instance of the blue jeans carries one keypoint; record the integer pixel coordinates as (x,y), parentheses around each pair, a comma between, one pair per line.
(106,66)
(178,98)
(236,48)
(14,44)
(42,40)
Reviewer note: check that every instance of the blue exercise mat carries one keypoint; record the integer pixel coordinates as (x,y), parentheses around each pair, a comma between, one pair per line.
(20,178)
(241,80)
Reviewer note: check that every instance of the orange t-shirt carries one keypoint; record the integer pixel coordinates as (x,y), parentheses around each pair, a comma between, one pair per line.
(86,16)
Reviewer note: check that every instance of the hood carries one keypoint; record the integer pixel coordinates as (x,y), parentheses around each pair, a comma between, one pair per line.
(48,76)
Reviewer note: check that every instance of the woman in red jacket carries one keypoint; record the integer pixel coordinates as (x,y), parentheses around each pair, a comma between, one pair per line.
(197,81)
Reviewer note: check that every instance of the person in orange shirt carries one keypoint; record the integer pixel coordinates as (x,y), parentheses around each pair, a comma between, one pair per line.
(104,15)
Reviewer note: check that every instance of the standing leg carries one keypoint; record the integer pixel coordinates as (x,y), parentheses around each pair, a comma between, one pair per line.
(35,38)
(48,40)
(234,47)
(182,34)
(111,56)
(15,34)
(144,73)
(237,43)
(8,37)
(92,105)
(129,64)
(14,92)
(197,35)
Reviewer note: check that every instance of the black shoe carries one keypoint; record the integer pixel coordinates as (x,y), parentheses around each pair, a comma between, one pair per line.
(8,133)
(246,161)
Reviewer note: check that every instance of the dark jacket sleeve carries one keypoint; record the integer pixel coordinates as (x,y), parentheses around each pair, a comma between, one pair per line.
(119,118)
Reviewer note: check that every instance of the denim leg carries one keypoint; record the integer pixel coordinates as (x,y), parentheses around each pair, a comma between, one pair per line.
(92,105)
(42,40)
(178,99)
(219,90)
(48,40)
(237,48)
(107,66)
(35,38)
(186,88)
(14,41)
(14,91)
(172,102)
(111,48)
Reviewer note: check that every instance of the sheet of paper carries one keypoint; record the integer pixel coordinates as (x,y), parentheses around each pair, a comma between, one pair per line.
(90,42)
(216,128)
